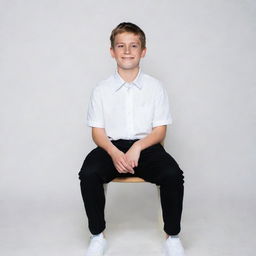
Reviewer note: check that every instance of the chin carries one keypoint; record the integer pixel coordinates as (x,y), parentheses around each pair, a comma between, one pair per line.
(128,67)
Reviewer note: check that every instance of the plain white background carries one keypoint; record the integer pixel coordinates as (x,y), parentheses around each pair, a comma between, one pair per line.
(54,52)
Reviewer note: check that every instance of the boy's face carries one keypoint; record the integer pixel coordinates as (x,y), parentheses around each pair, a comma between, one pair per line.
(127,50)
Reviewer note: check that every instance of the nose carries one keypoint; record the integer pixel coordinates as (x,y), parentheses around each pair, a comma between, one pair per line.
(127,49)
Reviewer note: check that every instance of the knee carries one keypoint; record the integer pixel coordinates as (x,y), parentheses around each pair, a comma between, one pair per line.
(173,176)
(88,175)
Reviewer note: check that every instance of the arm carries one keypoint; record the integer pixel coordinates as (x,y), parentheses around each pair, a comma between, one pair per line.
(101,139)
(156,136)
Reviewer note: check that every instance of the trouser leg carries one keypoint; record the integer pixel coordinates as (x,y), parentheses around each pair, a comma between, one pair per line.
(159,167)
(171,201)
(97,169)
(92,191)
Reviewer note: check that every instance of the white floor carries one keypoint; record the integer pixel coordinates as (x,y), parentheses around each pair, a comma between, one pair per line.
(59,227)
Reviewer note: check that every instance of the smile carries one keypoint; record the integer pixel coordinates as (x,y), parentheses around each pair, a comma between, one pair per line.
(127,58)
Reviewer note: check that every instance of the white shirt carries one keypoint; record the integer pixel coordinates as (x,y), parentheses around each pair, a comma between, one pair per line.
(128,110)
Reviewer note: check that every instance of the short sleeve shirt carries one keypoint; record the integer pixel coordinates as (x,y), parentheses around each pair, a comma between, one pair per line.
(129,110)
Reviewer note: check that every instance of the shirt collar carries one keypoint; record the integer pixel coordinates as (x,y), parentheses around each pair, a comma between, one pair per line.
(119,82)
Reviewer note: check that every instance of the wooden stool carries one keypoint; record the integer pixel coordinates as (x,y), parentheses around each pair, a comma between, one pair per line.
(138,180)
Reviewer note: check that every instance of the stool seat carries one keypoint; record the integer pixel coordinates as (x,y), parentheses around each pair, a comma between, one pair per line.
(128,179)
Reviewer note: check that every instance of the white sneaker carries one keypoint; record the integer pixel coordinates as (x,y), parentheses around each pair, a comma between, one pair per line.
(97,246)
(173,247)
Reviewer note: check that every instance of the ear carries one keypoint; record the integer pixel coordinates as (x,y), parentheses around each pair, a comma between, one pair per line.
(112,52)
(143,53)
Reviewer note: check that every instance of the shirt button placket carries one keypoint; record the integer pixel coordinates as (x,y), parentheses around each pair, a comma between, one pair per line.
(129,108)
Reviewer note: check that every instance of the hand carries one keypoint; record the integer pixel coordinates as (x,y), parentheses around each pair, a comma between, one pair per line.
(120,161)
(133,154)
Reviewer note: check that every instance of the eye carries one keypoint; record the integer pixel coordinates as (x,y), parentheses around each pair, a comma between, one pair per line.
(120,45)
(134,45)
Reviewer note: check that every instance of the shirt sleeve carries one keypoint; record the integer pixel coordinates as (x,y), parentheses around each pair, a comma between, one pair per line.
(95,116)
(162,114)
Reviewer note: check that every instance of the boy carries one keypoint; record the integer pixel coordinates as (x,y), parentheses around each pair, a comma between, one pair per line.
(128,113)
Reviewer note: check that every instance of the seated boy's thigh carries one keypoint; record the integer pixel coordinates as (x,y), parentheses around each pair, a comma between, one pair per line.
(100,162)
(158,166)
(156,156)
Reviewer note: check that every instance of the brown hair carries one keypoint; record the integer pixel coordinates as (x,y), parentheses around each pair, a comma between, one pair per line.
(128,27)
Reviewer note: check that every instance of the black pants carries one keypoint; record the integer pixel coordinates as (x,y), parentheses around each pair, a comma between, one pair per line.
(155,165)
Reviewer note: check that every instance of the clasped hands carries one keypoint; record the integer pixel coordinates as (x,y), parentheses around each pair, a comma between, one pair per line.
(125,162)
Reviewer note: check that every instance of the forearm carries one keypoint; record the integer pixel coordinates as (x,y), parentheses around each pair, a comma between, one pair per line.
(156,136)
(101,139)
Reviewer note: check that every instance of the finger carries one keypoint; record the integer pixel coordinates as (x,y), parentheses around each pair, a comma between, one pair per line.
(129,167)
(132,166)
(120,168)
(125,163)
(117,166)
(123,166)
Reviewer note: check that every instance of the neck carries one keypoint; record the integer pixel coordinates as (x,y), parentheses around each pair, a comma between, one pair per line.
(128,74)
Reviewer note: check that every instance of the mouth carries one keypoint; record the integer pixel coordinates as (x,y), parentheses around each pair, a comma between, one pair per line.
(127,58)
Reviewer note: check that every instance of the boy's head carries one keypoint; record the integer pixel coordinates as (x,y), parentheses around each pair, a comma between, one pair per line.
(129,28)
(128,45)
